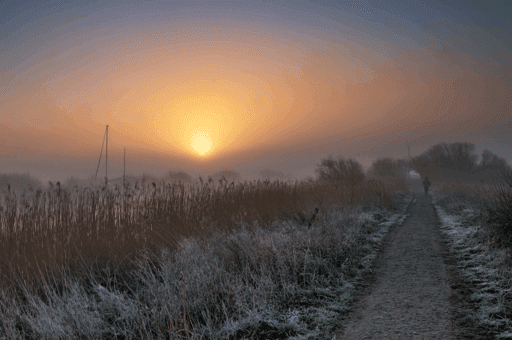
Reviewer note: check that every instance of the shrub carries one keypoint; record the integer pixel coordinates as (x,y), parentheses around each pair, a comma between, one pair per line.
(349,172)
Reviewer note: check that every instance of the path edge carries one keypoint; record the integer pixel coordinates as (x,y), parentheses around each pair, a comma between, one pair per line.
(365,284)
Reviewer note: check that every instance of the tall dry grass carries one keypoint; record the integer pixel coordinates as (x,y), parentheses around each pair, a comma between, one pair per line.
(44,231)
(112,237)
(466,187)
(475,218)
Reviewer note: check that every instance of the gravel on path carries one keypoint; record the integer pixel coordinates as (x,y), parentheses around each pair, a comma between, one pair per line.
(410,296)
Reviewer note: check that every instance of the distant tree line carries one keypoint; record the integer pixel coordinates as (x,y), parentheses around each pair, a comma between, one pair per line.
(349,172)
(459,161)
(442,161)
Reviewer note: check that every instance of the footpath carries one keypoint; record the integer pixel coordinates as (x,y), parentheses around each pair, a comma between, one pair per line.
(410,296)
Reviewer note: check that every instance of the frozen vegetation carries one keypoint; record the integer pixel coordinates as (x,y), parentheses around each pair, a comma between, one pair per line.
(487,268)
(290,282)
(229,261)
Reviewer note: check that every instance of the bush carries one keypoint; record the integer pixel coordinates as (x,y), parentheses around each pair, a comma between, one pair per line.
(391,172)
(500,211)
(349,172)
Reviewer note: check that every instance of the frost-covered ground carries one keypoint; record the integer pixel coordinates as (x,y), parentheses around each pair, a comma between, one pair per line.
(462,221)
(287,282)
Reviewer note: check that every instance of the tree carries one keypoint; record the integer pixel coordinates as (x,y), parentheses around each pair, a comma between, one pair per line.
(464,157)
(491,165)
(447,160)
(346,171)
(388,167)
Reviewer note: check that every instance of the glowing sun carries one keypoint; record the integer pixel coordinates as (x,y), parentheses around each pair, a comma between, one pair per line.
(201,140)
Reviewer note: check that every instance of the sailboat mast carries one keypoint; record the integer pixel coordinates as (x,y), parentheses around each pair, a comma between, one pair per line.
(106,159)
(101,153)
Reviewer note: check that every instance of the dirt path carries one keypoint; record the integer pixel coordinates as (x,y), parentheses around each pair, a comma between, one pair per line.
(410,296)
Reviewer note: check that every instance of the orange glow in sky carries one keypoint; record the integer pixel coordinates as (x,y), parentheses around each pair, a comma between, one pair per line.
(202,86)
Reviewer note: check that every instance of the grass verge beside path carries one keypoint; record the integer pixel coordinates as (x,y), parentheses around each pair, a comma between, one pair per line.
(288,282)
(486,269)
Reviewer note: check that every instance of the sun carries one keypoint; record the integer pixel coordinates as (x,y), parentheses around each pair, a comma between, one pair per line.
(201,140)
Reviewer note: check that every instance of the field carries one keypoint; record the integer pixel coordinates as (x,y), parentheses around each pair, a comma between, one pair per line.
(210,261)
(168,260)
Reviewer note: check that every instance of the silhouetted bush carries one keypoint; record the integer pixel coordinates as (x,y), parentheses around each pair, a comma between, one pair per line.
(349,172)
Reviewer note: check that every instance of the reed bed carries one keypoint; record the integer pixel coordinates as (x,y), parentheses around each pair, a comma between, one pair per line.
(100,235)
(475,188)
(64,227)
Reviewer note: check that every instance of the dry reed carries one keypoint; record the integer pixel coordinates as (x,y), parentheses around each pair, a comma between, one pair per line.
(61,228)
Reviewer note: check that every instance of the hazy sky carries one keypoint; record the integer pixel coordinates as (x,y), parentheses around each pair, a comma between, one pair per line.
(202,86)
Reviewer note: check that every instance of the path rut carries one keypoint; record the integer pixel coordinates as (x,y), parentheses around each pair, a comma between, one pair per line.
(410,297)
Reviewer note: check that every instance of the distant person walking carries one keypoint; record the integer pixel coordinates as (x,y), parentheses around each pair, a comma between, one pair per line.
(426,185)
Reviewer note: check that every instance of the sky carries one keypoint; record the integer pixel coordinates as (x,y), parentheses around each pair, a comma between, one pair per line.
(204,86)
